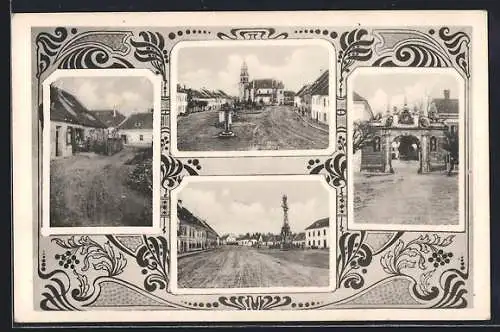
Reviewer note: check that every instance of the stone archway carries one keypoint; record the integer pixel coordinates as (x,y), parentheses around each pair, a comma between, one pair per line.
(405,153)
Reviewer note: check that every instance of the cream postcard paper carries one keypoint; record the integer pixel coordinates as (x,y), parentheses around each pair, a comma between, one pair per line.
(274,166)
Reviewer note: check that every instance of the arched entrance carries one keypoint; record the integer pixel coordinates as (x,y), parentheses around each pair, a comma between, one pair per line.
(405,153)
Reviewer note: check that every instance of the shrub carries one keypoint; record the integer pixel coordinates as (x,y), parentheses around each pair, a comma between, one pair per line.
(141,178)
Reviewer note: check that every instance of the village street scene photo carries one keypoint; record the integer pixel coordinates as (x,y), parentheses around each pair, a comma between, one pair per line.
(406,148)
(262,233)
(101,151)
(252,98)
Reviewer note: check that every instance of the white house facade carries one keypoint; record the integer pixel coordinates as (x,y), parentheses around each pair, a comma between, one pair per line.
(318,234)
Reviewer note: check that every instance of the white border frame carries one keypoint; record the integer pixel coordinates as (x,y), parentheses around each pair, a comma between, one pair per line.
(365,71)
(173,287)
(332,56)
(155,227)
(24,187)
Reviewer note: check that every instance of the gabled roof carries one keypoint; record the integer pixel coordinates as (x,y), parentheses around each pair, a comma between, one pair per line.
(299,237)
(320,86)
(303,90)
(444,105)
(111,118)
(266,83)
(65,107)
(138,121)
(207,94)
(289,93)
(187,217)
(325,222)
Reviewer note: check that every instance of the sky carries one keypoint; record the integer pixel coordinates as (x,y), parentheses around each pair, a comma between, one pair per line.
(220,67)
(238,207)
(381,88)
(130,94)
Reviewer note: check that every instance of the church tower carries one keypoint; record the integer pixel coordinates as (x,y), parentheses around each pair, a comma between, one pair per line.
(243,85)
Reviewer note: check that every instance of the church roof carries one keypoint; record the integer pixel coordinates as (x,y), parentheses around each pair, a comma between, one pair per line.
(266,83)
(444,105)
(325,222)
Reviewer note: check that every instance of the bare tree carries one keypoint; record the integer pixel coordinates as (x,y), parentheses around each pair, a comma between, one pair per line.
(362,134)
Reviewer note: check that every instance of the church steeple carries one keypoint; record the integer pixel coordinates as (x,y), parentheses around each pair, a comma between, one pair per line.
(243,85)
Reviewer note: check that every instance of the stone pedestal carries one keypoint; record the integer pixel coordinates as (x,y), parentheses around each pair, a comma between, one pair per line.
(388,153)
(424,154)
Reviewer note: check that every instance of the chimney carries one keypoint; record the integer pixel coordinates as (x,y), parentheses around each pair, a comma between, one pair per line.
(446,94)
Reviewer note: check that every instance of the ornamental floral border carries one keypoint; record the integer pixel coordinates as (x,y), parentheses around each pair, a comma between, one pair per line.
(80,269)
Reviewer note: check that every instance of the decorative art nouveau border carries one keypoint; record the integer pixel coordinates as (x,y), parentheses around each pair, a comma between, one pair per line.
(374,269)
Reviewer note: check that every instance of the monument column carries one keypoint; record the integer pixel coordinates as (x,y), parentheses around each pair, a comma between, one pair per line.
(424,154)
(387,152)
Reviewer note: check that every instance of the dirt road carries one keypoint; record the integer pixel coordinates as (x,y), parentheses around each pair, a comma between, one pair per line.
(241,267)
(91,190)
(274,128)
(406,197)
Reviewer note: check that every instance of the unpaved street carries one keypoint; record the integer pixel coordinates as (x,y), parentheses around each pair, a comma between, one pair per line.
(273,128)
(91,190)
(241,267)
(406,197)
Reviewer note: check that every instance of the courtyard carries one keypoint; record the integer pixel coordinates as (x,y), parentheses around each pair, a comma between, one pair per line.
(242,267)
(406,197)
(272,128)
(88,190)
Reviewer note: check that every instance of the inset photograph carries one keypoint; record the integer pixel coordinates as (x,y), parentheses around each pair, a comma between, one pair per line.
(252,96)
(254,232)
(99,151)
(406,166)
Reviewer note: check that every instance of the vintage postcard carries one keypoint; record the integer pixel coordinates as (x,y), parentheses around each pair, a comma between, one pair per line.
(250,166)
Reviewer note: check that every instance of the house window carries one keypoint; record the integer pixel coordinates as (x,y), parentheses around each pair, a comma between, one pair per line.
(324,232)
(433,144)
(68,135)
(324,117)
(324,102)
(376,144)
(141,137)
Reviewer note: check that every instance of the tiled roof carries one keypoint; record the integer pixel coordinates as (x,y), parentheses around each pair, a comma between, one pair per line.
(138,121)
(299,237)
(444,105)
(266,83)
(206,94)
(110,118)
(303,90)
(325,222)
(186,217)
(288,93)
(320,86)
(65,107)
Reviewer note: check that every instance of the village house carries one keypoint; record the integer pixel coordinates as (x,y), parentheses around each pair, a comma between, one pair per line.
(288,97)
(298,99)
(182,100)
(361,108)
(73,128)
(111,118)
(193,233)
(299,240)
(206,100)
(320,101)
(266,91)
(447,110)
(137,129)
(318,234)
